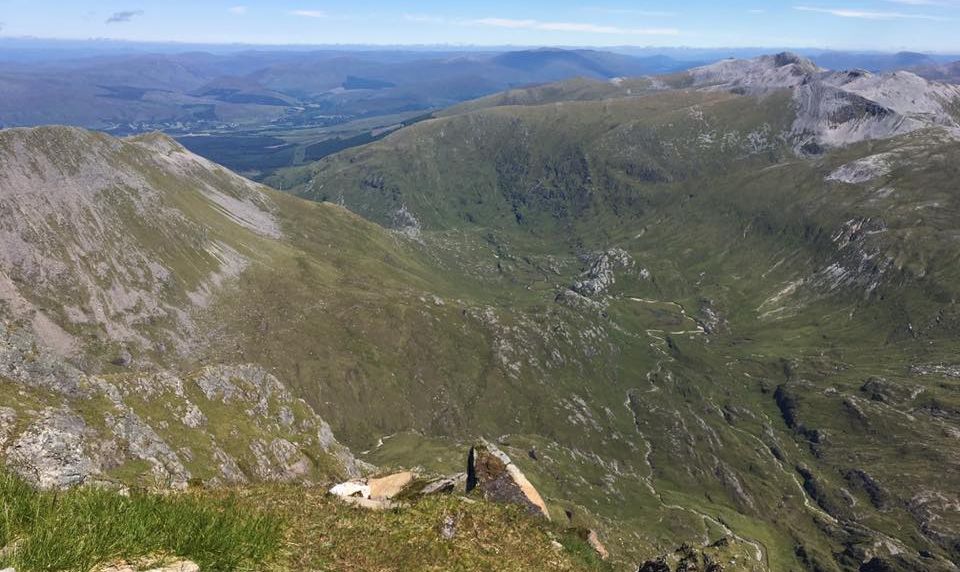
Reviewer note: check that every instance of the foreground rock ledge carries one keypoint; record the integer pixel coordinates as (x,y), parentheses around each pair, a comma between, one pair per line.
(491,472)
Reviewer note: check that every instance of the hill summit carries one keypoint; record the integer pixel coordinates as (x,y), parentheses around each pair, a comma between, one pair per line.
(839,108)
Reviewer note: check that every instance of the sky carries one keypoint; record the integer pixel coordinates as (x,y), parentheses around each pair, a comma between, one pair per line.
(888,25)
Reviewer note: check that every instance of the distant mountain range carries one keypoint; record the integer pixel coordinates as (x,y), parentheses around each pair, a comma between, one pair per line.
(128,88)
(186,91)
(260,109)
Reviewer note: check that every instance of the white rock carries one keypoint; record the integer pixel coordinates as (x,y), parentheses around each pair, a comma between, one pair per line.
(863,170)
(351,489)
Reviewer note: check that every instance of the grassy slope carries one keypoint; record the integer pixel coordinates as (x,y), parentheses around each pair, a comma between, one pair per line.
(106,527)
(275,528)
(506,193)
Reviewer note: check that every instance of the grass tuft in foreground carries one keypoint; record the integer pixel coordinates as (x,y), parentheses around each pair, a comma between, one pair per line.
(79,529)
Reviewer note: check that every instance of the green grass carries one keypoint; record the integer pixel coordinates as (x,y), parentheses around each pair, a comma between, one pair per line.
(79,529)
(325,534)
(274,528)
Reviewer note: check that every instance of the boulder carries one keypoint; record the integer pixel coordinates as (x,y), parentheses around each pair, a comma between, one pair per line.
(658,565)
(372,504)
(390,486)
(375,494)
(445,485)
(491,472)
(449,528)
(351,489)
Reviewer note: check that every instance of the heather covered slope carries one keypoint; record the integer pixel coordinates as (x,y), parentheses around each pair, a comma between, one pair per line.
(766,334)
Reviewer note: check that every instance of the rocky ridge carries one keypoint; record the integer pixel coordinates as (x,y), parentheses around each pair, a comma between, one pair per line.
(834,109)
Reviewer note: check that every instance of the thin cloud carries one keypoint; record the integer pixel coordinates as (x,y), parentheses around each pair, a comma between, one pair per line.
(580,27)
(427,18)
(238,10)
(868,14)
(309,13)
(634,12)
(124,16)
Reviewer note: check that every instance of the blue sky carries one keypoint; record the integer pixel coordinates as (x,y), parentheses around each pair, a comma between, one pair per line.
(930,25)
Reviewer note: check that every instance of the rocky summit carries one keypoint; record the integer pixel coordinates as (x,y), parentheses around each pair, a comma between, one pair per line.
(705,320)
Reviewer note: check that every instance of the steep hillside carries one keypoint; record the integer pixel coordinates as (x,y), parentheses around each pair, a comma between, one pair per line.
(762,311)
(110,252)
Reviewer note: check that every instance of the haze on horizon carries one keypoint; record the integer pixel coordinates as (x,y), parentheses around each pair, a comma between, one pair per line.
(884,25)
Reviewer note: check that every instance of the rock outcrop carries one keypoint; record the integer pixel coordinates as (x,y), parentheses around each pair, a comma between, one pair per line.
(490,474)
(834,109)
(601,275)
(724,554)
(199,427)
(493,475)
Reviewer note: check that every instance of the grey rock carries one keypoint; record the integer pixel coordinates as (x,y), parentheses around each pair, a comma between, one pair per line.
(60,447)
(834,109)
(229,468)
(449,528)
(602,272)
(52,453)
(124,358)
(286,416)
(279,460)
(8,417)
(863,170)
(23,361)
(445,485)
(144,443)
(194,417)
